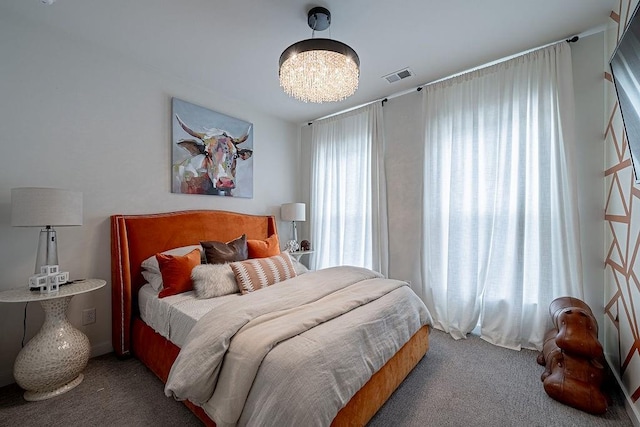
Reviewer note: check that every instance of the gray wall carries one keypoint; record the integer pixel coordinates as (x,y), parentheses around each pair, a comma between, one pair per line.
(588,84)
(404,137)
(77,116)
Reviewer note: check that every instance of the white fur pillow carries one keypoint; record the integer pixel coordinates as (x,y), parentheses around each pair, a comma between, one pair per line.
(213,280)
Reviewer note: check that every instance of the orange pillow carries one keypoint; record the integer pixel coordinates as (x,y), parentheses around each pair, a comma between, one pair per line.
(264,248)
(176,272)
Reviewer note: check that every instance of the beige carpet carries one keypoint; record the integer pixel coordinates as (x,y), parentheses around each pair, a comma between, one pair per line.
(458,383)
(473,383)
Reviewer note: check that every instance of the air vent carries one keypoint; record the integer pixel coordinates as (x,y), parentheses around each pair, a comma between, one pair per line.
(398,75)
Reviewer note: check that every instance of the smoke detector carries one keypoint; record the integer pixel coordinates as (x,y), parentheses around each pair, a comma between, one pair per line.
(398,75)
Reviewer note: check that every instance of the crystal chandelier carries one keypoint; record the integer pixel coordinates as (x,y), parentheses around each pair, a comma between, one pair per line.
(319,70)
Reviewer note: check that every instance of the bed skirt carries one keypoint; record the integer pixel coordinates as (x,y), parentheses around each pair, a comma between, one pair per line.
(158,354)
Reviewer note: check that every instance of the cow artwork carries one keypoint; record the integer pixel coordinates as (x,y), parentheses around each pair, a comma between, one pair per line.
(208,160)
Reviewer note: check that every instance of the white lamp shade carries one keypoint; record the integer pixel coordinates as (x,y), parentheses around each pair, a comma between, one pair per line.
(39,207)
(293,212)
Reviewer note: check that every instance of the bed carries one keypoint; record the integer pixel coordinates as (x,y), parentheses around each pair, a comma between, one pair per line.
(137,237)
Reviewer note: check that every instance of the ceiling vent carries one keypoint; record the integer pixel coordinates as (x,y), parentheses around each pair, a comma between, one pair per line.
(398,75)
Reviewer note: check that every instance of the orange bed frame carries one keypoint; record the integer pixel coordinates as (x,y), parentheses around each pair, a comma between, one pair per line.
(137,237)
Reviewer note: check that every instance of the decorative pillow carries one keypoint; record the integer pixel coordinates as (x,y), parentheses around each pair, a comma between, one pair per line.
(151,263)
(220,253)
(264,248)
(176,272)
(299,267)
(258,273)
(213,280)
(154,279)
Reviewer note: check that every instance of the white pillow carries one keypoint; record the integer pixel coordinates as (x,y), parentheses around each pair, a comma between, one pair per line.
(154,279)
(299,267)
(213,280)
(151,264)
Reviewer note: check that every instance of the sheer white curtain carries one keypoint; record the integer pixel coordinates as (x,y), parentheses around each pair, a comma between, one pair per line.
(348,214)
(501,231)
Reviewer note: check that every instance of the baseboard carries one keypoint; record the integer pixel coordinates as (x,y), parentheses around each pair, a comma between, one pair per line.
(628,403)
(6,377)
(101,348)
(633,414)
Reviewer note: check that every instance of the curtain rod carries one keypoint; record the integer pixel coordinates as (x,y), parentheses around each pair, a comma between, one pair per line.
(499,61)
(419,88)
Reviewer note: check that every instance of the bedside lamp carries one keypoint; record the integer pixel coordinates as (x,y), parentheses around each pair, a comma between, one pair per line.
(45,207)
(293,212)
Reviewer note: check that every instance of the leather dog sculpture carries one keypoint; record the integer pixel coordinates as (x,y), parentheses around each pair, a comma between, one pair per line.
(573,357)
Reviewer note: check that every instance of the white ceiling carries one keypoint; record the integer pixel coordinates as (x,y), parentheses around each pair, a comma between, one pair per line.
(232,47)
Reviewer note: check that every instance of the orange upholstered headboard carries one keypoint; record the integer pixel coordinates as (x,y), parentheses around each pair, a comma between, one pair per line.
(137,237)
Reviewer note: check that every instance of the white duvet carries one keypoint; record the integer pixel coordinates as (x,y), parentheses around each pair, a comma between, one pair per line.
(296,352)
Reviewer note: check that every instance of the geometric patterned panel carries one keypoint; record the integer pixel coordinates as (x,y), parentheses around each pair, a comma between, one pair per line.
(622,216)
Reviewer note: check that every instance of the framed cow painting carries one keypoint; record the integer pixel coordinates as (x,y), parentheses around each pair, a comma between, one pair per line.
(211,152)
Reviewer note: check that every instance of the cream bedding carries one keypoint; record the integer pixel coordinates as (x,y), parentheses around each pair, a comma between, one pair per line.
(295,353)
(175,315)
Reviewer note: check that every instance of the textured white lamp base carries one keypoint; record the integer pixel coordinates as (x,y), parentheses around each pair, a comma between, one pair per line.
(52,362)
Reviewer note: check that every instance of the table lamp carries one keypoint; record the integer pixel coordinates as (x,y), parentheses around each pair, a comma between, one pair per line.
(293,212)
(45,207)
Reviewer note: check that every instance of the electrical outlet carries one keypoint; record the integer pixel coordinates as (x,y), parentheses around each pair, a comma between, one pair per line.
(88,316)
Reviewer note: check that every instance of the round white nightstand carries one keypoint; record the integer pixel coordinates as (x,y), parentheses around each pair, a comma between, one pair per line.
(52,361)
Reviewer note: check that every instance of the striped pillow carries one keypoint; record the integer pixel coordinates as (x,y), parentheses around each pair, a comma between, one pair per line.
(258,273)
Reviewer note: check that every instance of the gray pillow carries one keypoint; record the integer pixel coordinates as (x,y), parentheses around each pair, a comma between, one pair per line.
(299,267)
